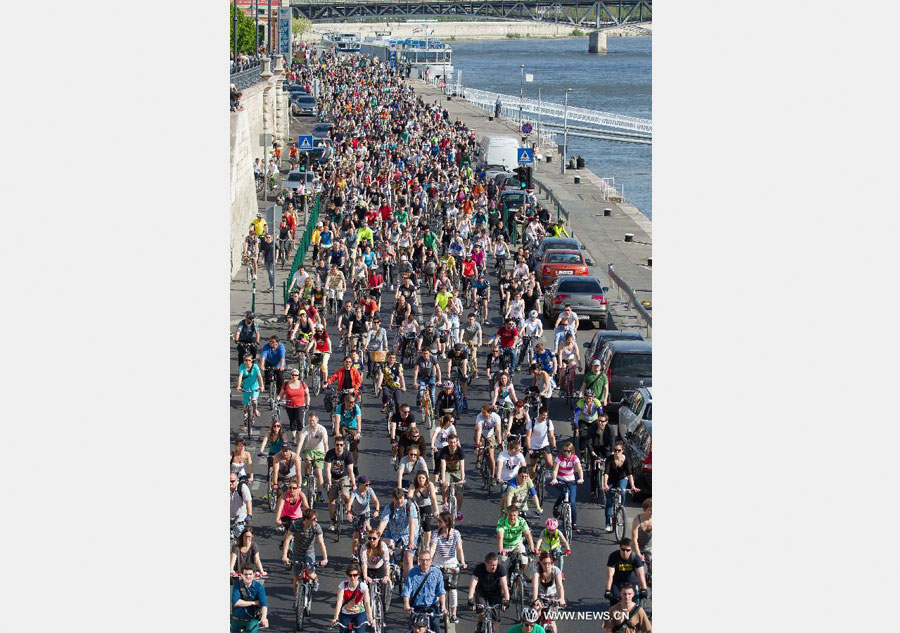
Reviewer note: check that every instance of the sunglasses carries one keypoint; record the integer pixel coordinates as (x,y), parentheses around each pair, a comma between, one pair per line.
(373,538)
(618,450)
(625,549)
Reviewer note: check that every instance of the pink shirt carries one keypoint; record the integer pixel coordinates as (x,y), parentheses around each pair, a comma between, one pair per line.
(566,468)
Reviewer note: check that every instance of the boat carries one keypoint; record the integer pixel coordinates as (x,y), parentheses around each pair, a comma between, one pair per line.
(342,43)
(421,54)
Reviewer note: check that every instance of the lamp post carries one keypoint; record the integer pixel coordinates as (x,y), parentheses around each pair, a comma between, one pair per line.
(269,28)
(234,28)
(562,165)
(256,24)
(521,87)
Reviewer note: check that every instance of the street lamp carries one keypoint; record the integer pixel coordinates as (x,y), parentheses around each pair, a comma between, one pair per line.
(521,86)
(562,164)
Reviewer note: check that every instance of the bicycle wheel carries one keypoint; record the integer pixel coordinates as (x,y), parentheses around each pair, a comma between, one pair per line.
(377,614)
(248,419)
(566,521)
(647,603)
(518,595)
(619,523)
(311,486)
(273,393)
(339,517)
(316,381)
(299,604)
(451,502)
(539,485)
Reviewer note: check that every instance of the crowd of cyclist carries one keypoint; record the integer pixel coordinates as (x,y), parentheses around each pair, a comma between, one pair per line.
(405,215)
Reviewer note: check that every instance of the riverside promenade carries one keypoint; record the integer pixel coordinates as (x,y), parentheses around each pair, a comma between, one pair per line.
(603,236)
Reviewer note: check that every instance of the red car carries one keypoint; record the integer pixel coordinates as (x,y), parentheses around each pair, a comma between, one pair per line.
(559,262)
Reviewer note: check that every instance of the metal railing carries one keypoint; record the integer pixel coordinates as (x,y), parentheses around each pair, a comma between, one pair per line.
(303,245)
(622,287)
(558,111)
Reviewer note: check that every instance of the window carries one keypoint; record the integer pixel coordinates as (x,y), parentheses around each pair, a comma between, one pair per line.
(639,365)
(580,285)
(637,402)
(648,414)
(564,258)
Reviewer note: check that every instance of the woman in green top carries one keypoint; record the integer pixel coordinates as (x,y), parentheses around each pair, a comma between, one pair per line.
(275,440)
(596,381)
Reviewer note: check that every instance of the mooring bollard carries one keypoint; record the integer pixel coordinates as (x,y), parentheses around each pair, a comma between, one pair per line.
(607,213)
(577,180)
(629,237)
(650,261)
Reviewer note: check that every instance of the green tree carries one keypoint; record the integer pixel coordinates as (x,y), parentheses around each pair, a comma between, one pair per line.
(246,31)
(299,26)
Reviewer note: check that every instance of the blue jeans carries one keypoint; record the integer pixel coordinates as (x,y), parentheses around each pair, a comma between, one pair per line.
(271,269)
(359,621)
(573,490)
(513,356)
(623,484)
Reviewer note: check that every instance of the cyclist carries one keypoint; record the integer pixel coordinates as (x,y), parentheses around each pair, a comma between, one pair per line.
(375,284)
(354,605)
(247,337)
(428,339)
(569,359)
(313,445)
(292,313)
(322,345)
(413,462)
(517,422)
(348,379)
(399,524)
(305,534)
(272,359)
(274,440)
(600,443)
(508,336)
(509,462)
(336,285)
(376,340)
(374,557)
(459,358)
(241,506)
(249,605)
(446,402)
(547,588)
(422,493)
(623,566)
(246,552)
(543,382)
(482,296)
(566,467)
(448,555)
(488,427)
(569,317)
(626,616)
(392,382)
(259,225)
(241,461)
(423,591)
(617,472)
(250,250)
(399,424)
(539,435)
(291,505)
(597,381)
(359,510)
(287,465)
(488,586)
(295,394)
(471,336)
(512,530)
(552,541)
(248,383)
(532,331)
(642,530)
(516,310)
(426,373)
(339,477)
(518,491)
(451,460)
(544,358)
(504,394)
(527,623)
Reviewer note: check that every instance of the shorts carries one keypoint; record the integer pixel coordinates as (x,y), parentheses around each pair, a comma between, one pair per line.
(342,483)
(295,419)
(535,453)
(490,441)
(287,521)
(429,523)
(306,558)
(455,476)
(248,394)
(316,457)
(375,294)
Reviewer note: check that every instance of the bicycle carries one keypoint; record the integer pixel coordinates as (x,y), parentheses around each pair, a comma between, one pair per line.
(540,478)
(647,600)
(248,266)
(311,482)
(350,627)
(303,595)
(491,616)
(516,582)
(482,457)
(271,496)
(596,479)
(565,513)
(273,390)
(302,358)
(408,349)
(427,406)
(340,509)
(618,514)
(377,597)
(315,366)
(390,409)
(394,574)
(249,412)
(568,384)
(283,251)
(451,498)
(528,343)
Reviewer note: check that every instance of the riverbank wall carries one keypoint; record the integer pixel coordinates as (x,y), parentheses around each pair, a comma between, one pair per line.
(465,30)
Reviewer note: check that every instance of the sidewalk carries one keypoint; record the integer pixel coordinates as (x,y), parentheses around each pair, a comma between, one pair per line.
(604,237)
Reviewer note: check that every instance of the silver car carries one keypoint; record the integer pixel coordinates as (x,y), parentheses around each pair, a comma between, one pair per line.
(585,294)
(309,179)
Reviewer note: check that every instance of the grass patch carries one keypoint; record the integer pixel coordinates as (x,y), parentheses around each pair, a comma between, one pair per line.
(514,36)
(578,33)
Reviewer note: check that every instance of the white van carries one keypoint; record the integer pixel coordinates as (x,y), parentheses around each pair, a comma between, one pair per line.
(498,151)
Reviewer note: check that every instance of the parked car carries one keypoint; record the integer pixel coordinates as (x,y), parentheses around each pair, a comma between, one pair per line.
(309,180)
(493,171)
(303,104)
(639,450)
(585,294)
(295,89)
(595,345)
(560,263)
(515,199)
(560,242)
(637,408)
(320,130)
(628,365)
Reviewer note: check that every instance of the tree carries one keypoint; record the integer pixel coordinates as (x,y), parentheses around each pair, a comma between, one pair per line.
(299,26)
(246,32)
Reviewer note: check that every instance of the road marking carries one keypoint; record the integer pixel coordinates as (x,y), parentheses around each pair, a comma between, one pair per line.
(255,486)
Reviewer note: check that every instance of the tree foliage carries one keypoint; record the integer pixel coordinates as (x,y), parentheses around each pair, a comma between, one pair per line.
(299,26)
(246,30)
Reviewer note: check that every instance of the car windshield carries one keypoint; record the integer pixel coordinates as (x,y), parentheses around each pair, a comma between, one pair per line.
(648,414)
(306,100)
(563,258)
(579,285)
(500,167)
(294,177)
(640,365)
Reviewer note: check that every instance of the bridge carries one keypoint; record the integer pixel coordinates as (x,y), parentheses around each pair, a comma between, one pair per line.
(575,12)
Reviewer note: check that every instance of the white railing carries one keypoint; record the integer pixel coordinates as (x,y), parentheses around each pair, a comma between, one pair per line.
(556,110)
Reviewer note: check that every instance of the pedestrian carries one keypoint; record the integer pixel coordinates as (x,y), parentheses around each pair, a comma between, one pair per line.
(268,250)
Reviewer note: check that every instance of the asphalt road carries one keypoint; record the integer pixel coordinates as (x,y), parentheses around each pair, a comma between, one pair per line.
(584,569)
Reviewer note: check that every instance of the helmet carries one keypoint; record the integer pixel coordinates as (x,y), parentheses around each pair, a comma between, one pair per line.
(551,523)
(596,363)
(259,214)
(448,384)
(429,324)
(588,393)
(533,314)
(420,620)
(457,347)
(529,615)
(249,315)
(319,327)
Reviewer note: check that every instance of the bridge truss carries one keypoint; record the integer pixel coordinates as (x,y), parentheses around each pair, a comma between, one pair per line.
(575,12)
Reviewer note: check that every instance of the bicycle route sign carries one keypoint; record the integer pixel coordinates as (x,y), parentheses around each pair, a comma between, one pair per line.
(526,128)
(305,143)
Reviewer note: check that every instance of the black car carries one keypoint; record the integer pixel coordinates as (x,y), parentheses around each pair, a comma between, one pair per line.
(639,450)
(594,346)
(628,365)
(295,89)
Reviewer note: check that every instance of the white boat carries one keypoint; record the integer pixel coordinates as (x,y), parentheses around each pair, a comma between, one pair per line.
(420,54)
(342,43)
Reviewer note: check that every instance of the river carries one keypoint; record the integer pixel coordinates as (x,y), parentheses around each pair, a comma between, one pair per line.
(617,82)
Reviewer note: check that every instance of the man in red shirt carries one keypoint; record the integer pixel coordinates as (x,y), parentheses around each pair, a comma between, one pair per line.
(468,272)
(376,282)
(509,336)
(370,306)
(385,211)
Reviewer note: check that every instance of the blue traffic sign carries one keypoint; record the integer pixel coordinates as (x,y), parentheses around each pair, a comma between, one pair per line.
(305,143)
(526,155)
(526,128)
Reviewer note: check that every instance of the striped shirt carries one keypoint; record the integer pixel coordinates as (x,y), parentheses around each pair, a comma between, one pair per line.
(566,468)
(445,547)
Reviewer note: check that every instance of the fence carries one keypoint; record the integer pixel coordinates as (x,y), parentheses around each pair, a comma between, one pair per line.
(303,246)
(621,287)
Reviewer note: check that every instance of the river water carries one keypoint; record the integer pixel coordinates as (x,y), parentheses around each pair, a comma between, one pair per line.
(617,82)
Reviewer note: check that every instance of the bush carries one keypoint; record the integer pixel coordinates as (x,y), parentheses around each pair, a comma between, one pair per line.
(578,33)
(514,36)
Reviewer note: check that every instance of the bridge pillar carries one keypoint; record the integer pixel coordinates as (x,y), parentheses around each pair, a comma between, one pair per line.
(597,42)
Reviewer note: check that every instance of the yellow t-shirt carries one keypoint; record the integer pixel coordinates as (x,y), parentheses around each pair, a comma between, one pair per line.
(259,225)
(442,299)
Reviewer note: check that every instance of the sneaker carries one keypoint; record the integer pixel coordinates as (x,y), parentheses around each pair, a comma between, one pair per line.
(319,497)
(315,586)
(454,619)
(459,516)
(575,529)
(608,528)
(332,527)
(254,277)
